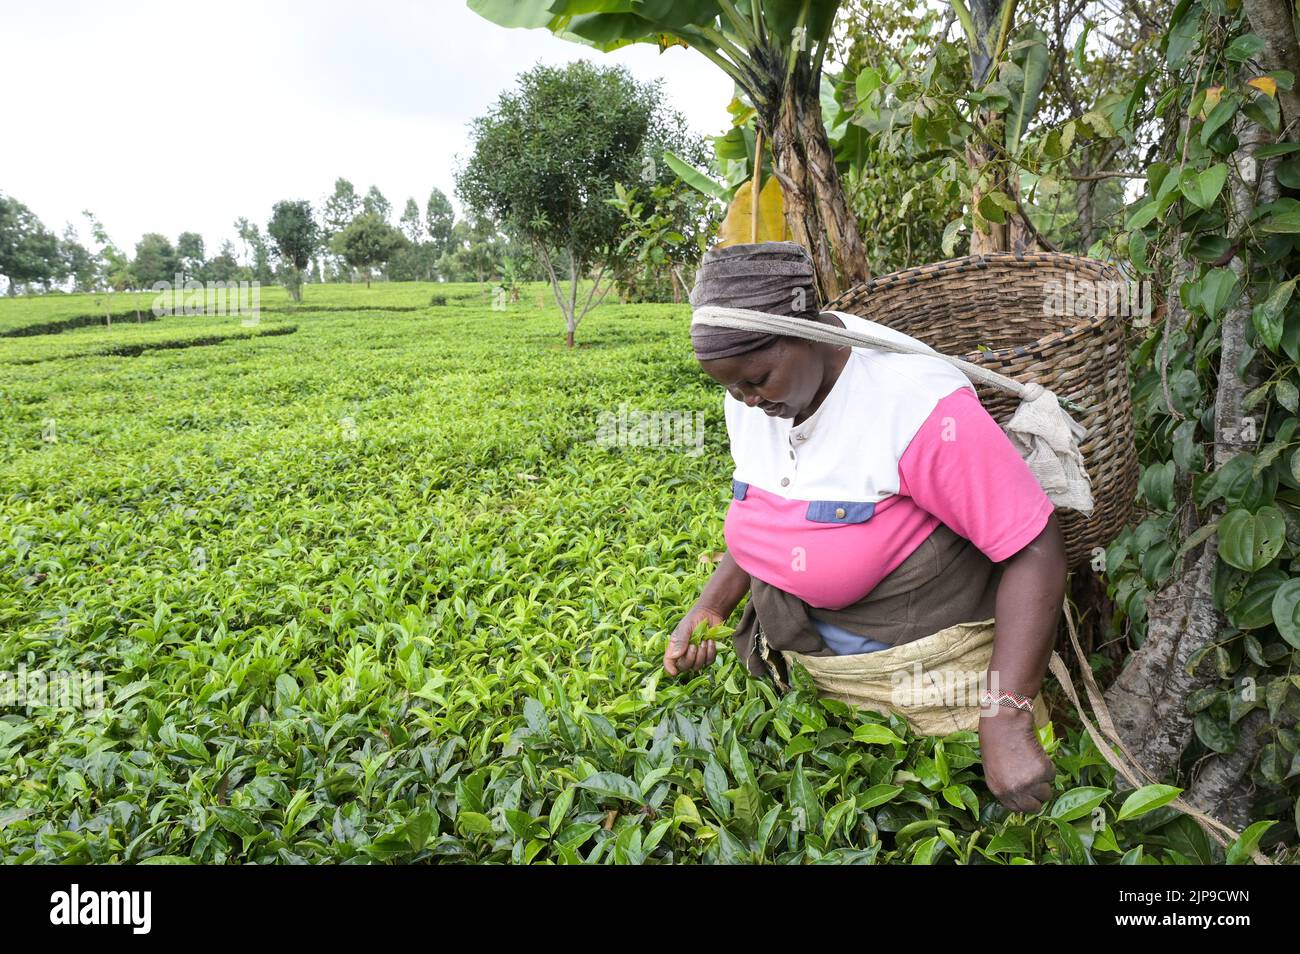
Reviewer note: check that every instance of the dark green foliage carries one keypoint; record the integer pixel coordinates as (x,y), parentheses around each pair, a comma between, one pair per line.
(29,252)
(367,242)
(155,260)
(293,229)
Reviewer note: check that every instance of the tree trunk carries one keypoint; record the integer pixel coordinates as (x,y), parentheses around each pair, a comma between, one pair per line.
(1011,235)
(1222,785)
(1271,21)
(1149,699)
(570,320)
(815,207)
(839,223)
(1086,194)
(565,309)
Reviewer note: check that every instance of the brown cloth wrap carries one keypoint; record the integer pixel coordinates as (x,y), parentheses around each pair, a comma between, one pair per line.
(944,581)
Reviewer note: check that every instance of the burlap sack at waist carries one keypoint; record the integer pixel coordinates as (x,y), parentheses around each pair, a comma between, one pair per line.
(933,682)
(945,580)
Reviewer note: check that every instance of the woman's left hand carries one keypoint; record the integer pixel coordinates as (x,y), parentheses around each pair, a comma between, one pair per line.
(1017,770)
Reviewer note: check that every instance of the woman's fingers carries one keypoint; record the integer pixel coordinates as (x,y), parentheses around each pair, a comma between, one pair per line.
(682,657)
(670,655)
(1032,799)
(679,648)
(1024,803)
(680,654)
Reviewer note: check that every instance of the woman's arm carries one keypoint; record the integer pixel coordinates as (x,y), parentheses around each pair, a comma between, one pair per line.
(726,587)
(720,596)
(1028,605)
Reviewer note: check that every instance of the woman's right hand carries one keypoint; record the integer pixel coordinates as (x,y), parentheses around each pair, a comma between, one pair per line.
(680,656)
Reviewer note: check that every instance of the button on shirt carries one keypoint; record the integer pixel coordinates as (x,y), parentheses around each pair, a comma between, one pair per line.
(827,508)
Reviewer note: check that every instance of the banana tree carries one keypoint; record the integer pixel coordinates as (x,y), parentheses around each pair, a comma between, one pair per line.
(773,49)
(755,209)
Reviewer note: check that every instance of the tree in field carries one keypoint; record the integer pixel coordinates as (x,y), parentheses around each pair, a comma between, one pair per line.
(439,217)
(224,266)
(256,253)
(375,204)
(337,213)
(189,250)
(545,163)
(155,260)
(293,229)
(341,207)
(417,259)
(368,242)
(78,261)
(413,262)
(244,230)
(774,50)
(29,252)
(114,266)
(411,223)
(474,252)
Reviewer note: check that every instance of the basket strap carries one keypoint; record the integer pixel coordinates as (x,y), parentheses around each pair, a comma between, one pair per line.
(749,320)
(1041,430)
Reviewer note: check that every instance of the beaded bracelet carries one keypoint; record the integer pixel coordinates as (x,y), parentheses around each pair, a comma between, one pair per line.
(1012,700)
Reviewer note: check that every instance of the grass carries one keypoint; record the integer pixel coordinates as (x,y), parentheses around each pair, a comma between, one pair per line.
(370,591)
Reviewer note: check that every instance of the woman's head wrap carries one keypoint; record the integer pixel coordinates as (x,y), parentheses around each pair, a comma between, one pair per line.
(775,277)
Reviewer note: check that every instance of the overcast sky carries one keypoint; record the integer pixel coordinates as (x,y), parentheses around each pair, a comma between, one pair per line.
(172,117)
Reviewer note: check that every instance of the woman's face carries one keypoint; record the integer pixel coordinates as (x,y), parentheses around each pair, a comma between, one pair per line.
(781,379)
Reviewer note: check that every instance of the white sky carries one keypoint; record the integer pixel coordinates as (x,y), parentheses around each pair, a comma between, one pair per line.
(183,116)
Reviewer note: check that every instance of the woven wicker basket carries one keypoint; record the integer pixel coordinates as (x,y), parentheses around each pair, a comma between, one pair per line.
(998,301)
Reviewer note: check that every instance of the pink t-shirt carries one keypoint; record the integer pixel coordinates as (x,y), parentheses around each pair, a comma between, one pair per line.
(826,509)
